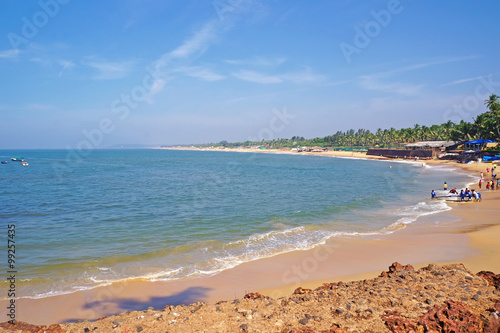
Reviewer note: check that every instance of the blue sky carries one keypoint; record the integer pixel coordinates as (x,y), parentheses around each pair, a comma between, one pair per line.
(88,74)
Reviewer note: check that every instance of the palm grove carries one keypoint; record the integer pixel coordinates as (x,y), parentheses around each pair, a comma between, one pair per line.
(485,126)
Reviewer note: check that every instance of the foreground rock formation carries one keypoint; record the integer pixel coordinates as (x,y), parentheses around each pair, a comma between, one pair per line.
(432,299)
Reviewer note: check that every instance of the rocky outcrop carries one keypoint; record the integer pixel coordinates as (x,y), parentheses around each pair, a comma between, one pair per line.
(397,267)
(451,317)
(492,278)
(20,326)
(435,298)
(254,296)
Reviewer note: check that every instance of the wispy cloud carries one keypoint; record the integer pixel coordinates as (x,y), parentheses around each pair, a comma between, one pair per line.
(461,81)
(377,82)
(256,77)
(9,54)
(110,70)
(202,73)
(65,64)
(400,88)
(257,61)
(425,65)
(197,44)
(306,76)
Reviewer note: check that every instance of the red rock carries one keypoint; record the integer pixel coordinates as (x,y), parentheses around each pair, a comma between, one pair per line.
(328,286)
(492,278)
(29,328)
(395,267)
(254,296)
(398,324)
(301,291)
(309,330)
(451,317)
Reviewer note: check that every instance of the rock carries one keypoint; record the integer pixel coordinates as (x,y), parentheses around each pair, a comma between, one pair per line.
(451,317)
(328,286)
(244,327)
(428,301)
(307,315)
(492,278)
(86,329)
(254,296)
(396,267)
(475,297)
(492,323)
(301,291)
(196,308)
(139,329)
(398,324)
(400,290)
(304,321)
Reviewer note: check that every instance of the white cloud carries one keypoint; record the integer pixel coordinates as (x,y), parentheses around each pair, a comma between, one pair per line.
(257,61)
(200,73)
(374,83)
(196,44)
(9,54)
(110,70)
(306,76)
(256,77)
(65,64)
(461,81)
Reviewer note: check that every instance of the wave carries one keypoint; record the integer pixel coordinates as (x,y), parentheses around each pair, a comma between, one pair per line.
(216,258)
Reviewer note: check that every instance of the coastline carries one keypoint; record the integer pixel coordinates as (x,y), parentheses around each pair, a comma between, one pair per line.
(348,259)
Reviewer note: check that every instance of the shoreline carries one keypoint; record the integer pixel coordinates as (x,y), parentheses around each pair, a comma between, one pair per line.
(344,259)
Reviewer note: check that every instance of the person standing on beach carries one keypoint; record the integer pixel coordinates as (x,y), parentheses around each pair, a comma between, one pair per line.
(480,182)
(433,194)
(482,176)
(445,186)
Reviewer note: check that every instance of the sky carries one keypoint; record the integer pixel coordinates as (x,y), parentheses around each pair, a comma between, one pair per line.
(95,74)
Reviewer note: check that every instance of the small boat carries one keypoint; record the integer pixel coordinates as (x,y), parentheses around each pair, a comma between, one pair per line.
(25,163)
(17,159)
(5,162)
(449,196)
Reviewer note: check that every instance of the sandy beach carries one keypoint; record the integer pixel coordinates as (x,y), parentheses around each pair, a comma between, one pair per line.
(473,240)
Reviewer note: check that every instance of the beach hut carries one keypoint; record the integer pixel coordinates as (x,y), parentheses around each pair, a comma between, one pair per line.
(477,144)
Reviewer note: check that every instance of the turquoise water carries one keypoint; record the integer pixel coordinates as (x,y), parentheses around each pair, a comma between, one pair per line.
(85,221)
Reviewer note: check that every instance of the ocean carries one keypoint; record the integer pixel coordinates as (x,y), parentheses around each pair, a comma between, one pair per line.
(115,215)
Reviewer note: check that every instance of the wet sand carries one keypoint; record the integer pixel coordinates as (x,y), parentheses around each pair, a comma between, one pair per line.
(474,240)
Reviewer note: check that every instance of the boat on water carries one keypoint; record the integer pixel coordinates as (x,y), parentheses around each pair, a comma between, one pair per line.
(5,162)
(25,163)
(17,159)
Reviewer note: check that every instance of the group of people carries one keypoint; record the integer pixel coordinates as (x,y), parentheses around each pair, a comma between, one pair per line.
(467,195)
(490,184)
(464,194)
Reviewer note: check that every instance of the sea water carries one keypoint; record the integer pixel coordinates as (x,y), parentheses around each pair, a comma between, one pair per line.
(90,218)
